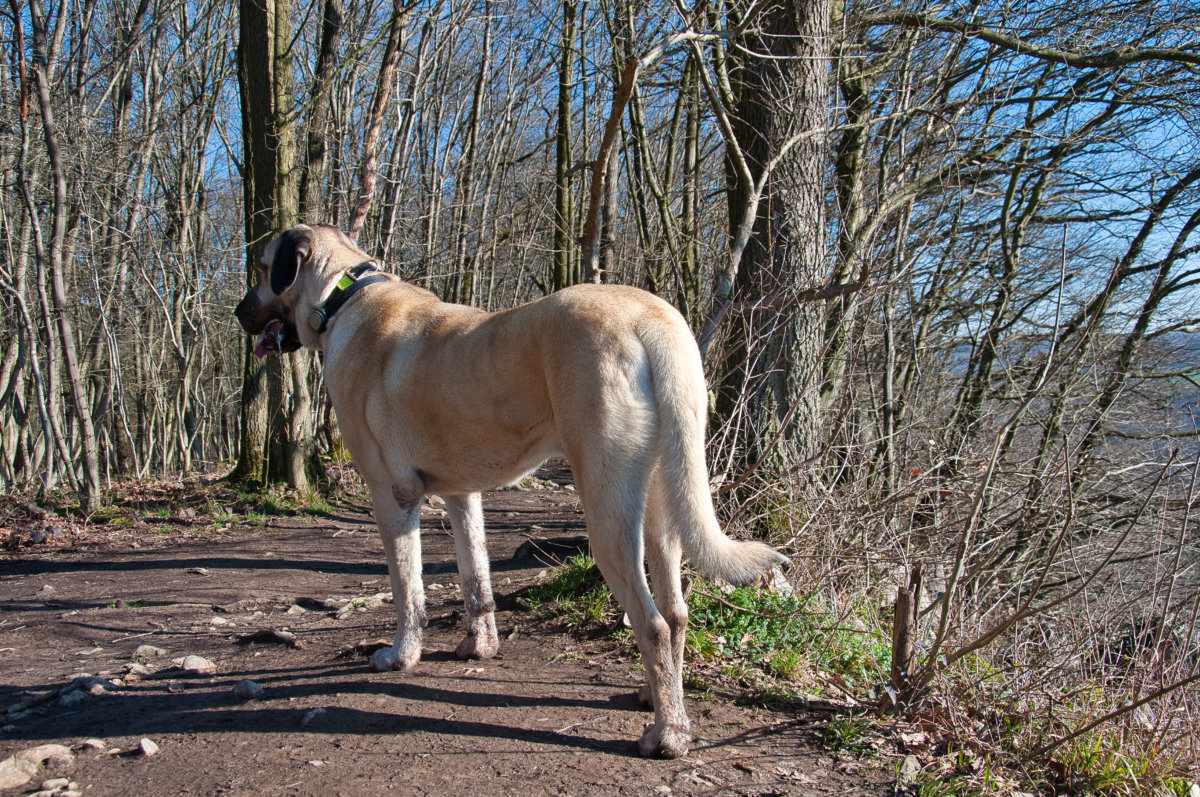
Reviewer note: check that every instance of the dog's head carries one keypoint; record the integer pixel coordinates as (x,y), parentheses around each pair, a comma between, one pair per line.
(296,273)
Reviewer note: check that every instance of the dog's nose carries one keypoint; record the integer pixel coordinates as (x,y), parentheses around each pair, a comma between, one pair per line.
(246,310)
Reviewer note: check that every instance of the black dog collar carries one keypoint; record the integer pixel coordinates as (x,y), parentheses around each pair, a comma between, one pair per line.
(351,283)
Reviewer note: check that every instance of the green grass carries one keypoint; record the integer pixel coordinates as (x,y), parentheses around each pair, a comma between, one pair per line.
(745,632)
(848,730)
(784,635)
(124,605)
(316,506)
(576,594)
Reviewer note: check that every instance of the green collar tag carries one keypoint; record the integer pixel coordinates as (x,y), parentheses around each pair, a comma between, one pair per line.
(345,282)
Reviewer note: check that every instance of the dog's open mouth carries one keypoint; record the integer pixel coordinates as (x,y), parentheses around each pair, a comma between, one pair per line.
(270,339)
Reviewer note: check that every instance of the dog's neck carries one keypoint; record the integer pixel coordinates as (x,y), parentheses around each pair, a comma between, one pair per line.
(351,282)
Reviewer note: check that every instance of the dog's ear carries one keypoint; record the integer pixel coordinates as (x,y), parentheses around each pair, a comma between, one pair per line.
(291,250)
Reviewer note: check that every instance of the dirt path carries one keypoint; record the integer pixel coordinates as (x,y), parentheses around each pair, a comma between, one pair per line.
(550,715)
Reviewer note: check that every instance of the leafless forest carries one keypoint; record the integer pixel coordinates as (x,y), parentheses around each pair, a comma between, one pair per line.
(941,259)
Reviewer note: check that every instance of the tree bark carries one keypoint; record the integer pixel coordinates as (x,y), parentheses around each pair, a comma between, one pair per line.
(276,405)
(89,488)
(564,221)
(368,172)
(772,365)
(316,165)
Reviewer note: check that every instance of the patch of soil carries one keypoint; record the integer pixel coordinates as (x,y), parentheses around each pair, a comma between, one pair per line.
(549,715)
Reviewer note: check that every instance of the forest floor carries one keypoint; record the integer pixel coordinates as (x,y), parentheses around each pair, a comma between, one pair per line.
(552,714)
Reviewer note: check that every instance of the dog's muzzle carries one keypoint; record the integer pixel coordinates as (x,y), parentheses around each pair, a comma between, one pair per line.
(275,333)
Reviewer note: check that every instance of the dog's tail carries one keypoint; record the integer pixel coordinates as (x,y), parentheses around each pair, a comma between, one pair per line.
(681,395)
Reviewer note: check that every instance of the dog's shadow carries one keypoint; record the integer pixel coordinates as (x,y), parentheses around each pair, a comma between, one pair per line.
(162,707)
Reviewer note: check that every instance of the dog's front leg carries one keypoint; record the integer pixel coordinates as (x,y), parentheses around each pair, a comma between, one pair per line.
(398,513)
(466,518)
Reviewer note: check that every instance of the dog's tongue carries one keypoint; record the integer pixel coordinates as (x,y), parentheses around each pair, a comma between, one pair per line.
(268,339)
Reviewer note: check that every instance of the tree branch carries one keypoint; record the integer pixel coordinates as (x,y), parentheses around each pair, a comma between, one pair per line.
(1118,56)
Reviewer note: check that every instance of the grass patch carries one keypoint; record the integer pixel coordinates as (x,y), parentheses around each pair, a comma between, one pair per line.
(126,605)
(848,731)
(576,594)
(110,514)
(747,634)
(784,636)
(316,506)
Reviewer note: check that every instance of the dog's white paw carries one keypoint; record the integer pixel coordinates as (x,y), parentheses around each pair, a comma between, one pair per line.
(669,741)
(388,659)
(478,646)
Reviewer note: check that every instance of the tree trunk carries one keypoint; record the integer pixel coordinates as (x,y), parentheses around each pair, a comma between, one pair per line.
(564,220)
(275,401)
(369,168)
(772,366)
(89,487)
(316,165)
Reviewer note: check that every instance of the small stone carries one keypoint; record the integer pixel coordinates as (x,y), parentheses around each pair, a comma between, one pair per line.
(274,636)
(295,609)
(776,582)
(377,600)
(138,670)
(248,690)
(72,697)
(53,754)
(910,770)
(15,772)
(198,665)
(218,621)
(56,532)
(91,684)
(46,590)
(148,652)
(93,744)
(54,784)
(147,747)
(311,716)
(38,536)
(198,571)
(1194,790)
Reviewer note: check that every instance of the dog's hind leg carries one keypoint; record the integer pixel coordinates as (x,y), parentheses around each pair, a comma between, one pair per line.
(664,555)
(398,513)
(614,508)
(466,518)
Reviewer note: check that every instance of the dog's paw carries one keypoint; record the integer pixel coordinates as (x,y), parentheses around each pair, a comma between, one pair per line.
(668,741)
(477,646)
(388,659)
